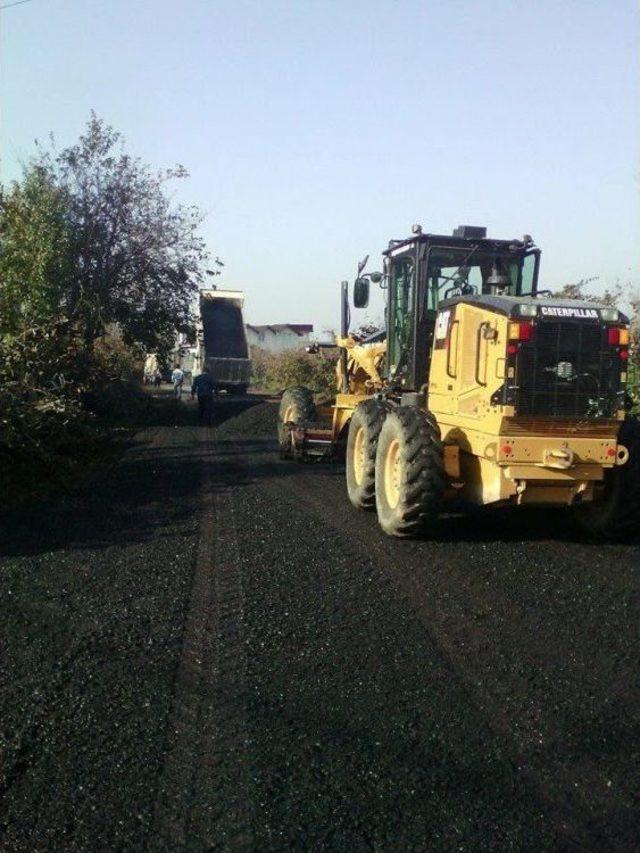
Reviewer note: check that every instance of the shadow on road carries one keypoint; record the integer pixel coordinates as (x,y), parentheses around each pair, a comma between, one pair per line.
(166,411)
(161,472)
(510,524)
(157,476)
(460,523)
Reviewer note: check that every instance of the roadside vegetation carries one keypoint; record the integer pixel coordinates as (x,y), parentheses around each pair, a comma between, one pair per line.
(273,372)
(97,266)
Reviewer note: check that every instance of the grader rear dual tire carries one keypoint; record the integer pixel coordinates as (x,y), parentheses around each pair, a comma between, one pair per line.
(362,442)
(410,478)
(615,515)
(296,406)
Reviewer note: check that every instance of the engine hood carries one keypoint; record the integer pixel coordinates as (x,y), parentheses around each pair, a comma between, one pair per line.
(548,306)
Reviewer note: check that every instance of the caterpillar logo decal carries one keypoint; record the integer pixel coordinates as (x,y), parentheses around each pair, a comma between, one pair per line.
(576,313)
(442,330)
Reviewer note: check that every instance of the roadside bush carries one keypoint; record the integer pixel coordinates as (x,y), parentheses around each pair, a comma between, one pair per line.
(57,400)
(37,372)
(118,402)
(115,395)
(115,360)
(43,422)
(273,372)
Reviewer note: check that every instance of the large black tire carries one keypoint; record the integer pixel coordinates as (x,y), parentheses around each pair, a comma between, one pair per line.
(615,514)
(362,442)
(410,476)
(296,406)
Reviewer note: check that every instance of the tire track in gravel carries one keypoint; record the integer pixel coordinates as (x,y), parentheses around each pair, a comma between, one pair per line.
(203,799)
(507,706)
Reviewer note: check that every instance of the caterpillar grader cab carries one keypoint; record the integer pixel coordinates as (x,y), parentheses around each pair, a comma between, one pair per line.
(482,390)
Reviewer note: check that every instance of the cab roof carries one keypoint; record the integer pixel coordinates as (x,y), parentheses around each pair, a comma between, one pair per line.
(396,247)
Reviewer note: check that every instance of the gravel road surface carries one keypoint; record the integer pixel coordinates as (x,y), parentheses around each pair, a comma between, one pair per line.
(207,648)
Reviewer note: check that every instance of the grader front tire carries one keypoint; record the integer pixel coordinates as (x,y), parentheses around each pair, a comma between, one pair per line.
(296,406)
(364,430)
(410,478)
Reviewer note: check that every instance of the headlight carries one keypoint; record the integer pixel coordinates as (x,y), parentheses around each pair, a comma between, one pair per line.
(609,315)
(527,310)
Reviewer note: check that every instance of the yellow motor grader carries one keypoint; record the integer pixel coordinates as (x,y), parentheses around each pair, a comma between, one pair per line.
(482,389)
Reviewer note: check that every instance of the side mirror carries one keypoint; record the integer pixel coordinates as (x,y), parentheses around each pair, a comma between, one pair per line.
(361,293)
(376,277)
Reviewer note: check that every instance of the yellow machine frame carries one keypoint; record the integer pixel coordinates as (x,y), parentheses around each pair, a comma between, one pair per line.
(490,455)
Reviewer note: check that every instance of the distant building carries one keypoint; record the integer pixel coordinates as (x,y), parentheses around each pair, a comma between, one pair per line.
(280,337)
(185,354)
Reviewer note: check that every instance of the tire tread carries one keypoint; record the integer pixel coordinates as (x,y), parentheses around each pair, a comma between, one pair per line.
(424,479)
(370,414)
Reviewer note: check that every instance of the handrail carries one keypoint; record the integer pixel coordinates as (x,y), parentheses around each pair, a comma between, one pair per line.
(455,324)
(478,343)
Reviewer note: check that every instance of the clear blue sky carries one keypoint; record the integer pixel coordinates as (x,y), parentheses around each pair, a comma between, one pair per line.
(315,131)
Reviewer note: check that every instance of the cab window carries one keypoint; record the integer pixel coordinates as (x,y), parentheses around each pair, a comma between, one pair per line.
(528,275)
(453,271)
(401,295)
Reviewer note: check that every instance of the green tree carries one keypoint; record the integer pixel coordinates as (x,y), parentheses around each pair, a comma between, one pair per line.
(575,290)
(95,258)
(136,256)
(623,296)
(35,260)
(634,360)
(615,296)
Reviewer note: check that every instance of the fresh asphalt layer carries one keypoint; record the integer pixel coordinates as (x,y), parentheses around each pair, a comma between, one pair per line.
(206,647)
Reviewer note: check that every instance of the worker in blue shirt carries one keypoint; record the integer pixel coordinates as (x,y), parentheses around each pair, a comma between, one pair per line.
(204,386)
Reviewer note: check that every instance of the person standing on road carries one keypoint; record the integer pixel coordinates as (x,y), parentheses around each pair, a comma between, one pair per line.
(177,378)
(204,386)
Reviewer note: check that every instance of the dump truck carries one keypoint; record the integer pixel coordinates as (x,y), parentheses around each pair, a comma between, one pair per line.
(482,390)
(222,342)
